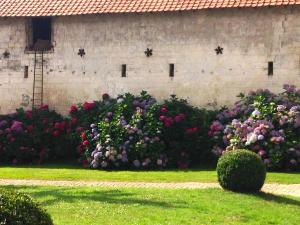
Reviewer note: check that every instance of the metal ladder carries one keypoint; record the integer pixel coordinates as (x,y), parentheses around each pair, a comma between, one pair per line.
(37,100)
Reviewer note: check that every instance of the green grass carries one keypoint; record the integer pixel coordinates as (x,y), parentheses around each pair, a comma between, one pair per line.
(69,172)
(107,206)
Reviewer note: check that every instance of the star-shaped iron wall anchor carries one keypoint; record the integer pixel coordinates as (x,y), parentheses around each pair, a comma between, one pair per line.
(6,54)
(219,50)
(81,52)
(149,52)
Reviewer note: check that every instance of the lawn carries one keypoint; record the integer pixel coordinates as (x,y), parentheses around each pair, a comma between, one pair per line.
(70,172)
(106,206)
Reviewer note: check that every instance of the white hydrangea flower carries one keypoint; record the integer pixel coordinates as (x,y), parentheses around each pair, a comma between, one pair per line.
(256,113)
(251,138)
(120,100)
(159,162)
(136,163)
(104,164)
(260,137)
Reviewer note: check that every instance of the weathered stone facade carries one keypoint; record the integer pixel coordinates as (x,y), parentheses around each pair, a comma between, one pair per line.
(250,38)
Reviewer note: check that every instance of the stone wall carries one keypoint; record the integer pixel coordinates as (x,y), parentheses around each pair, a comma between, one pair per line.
(250,38)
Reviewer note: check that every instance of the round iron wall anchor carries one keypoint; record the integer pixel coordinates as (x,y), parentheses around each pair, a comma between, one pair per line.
(6,54)
(81,52)
(219,50)
(148,52)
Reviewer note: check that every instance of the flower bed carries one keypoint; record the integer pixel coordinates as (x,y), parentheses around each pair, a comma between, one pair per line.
(140,133)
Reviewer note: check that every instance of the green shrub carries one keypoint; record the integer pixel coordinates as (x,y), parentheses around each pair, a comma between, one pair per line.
(20,209)
(241,170)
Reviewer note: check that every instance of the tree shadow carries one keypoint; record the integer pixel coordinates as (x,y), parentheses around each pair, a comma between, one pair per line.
(279,199)
(111,196)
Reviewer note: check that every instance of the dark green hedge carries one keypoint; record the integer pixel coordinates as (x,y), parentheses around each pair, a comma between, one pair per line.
(241,170)
(20,209)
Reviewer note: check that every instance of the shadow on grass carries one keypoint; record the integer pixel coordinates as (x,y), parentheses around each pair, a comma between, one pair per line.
(275,198)
(113,196)
(44,166)
(74,165)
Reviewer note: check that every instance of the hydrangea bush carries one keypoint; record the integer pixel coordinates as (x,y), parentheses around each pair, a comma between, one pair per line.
(34,136)
(185,132)
(129,135)
(264,122)
(81,116)
(137,132)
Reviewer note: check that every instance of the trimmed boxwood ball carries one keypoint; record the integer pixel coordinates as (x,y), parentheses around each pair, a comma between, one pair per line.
(19,209)
(241,170)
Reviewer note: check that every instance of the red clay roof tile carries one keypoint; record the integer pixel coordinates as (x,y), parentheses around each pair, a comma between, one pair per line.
(14,8)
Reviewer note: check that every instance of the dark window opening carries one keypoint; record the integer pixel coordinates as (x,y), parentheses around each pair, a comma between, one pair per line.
(123,70)
(25,71)
(171,70)
(270,68)
(40,34)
